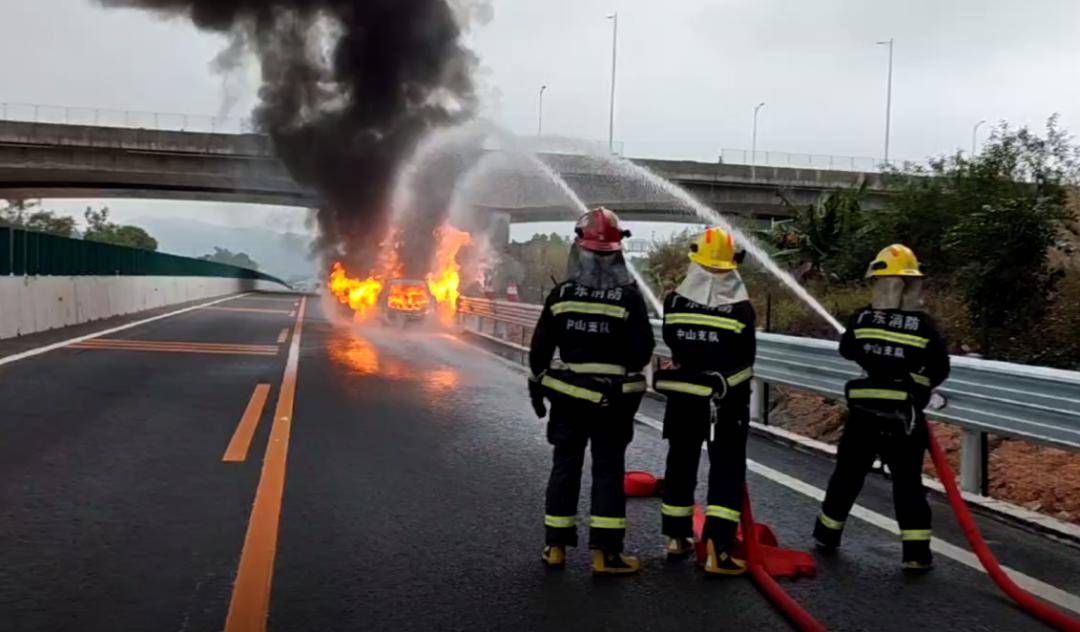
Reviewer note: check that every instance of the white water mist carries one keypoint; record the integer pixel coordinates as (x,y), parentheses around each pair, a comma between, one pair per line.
(629,169)
(646,291)
(477,131)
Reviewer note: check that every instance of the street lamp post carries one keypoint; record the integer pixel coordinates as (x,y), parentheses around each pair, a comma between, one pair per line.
(974,132)
(888,99)
(614,17)
(753,138)
(540,113)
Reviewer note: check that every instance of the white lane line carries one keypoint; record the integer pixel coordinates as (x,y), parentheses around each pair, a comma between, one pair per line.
(59,345)
(1036,587)
(1050,524)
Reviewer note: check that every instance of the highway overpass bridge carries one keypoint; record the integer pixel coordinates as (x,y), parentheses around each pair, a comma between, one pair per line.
(59,160)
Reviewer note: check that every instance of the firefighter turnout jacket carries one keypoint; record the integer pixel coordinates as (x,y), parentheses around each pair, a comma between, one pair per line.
(707,340)
(597,333)
(898,347)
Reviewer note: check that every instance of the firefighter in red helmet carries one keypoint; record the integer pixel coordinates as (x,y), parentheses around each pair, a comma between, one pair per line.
(597,320)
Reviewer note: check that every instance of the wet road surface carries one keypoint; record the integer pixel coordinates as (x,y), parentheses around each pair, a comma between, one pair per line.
(412,472)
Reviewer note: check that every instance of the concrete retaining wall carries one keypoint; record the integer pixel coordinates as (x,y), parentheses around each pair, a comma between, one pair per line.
(32,304)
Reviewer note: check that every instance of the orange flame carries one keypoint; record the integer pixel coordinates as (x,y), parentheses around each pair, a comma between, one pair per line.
(446,279)
(361,296)
(407,297)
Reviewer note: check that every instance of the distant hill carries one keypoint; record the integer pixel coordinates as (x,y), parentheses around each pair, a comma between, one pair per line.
(280,254)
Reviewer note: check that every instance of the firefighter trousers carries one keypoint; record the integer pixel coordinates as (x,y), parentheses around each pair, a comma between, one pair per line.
(864,438)
(606,430)
(686,426)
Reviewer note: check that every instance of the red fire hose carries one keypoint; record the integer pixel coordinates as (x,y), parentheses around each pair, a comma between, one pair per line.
(1043,612)
(768,586)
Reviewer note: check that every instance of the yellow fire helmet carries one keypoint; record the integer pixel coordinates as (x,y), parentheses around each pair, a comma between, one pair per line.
(894,260)
(715,249)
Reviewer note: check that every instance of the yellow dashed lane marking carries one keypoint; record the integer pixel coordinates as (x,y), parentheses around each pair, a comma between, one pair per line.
(237,450)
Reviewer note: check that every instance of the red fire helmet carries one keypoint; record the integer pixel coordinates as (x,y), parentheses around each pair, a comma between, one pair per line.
(598,230)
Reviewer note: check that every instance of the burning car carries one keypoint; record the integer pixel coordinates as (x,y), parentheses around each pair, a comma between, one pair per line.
(398,299)
(407,300)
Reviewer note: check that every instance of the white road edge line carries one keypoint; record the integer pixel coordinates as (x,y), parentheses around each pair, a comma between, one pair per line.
(1036,587)
(59,345)
(1052,526)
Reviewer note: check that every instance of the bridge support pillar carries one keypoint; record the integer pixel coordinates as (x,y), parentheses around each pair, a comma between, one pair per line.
(757,400)
(499,231)
(973,462)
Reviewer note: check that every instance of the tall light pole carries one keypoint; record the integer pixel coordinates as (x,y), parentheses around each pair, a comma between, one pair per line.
(540,112)
(753,141)
(888,99)
(974,132)
(614,17)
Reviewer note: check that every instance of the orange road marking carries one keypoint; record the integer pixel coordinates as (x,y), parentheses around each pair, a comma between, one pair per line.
(251,349)
(166,350)
(22,355)
(263,298)
(180,343)
(258,310)
(245,430)
(250,601)
(283,335)
(169,349)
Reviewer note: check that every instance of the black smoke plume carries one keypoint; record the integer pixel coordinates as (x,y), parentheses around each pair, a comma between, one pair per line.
(428,206)
(348,87)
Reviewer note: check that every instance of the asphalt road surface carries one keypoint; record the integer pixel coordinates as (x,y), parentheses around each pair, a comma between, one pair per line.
(381,479)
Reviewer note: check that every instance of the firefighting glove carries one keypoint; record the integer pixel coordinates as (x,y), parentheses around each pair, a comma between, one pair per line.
(536,396)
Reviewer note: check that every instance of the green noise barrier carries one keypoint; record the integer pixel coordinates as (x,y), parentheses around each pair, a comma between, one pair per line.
(29,253)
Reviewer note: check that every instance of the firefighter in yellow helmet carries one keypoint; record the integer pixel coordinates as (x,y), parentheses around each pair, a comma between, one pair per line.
(709,327)
(597,320)
(904,357)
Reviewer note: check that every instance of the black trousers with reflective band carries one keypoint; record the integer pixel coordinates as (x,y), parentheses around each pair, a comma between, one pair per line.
(864,438)
(607,430)
(686,427)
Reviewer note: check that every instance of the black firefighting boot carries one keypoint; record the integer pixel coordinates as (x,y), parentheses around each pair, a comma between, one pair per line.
(827,536)
(720,562)
(554,555)
(607,563)
(679,547)
(917,556)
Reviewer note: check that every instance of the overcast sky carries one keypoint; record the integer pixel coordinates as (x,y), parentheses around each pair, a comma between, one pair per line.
(689,72)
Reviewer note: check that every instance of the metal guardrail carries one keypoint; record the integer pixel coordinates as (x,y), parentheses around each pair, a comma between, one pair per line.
(1032,403)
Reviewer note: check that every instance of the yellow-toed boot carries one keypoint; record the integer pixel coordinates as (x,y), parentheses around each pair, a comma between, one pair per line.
(554,556)
(680,547)
(614,563)
(722,563)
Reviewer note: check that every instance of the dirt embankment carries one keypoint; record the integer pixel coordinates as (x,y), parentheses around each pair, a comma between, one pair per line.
(1042,479)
